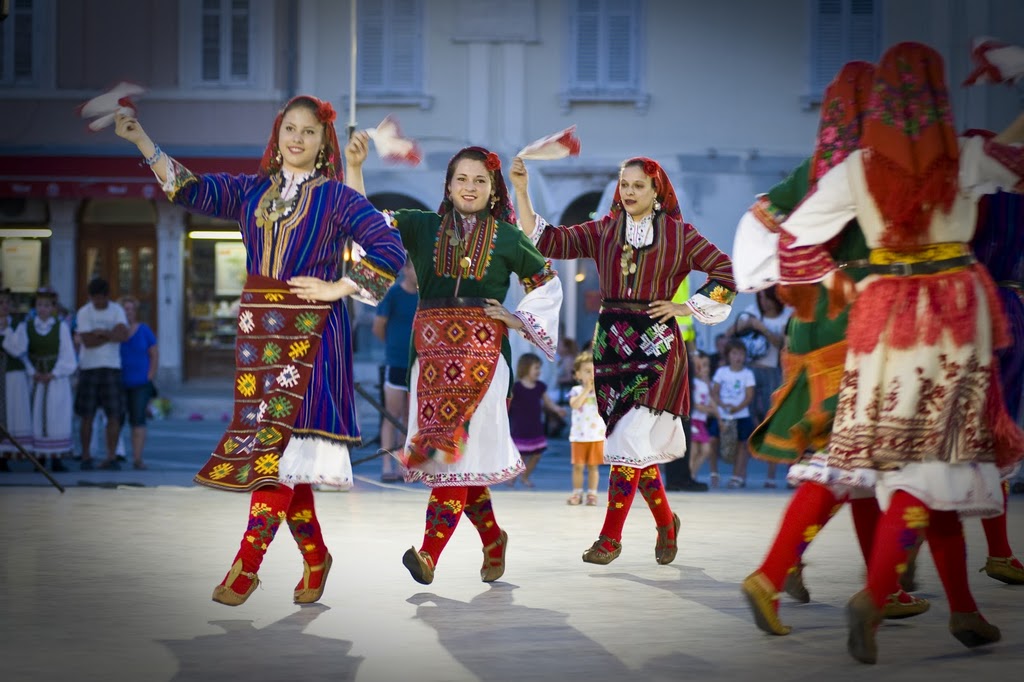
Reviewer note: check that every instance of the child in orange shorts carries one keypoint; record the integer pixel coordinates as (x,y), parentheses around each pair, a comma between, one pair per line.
(587,432)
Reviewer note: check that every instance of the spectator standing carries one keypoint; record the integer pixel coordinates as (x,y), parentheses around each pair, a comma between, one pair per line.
(45,344)
(101,326)
(732,390)
(392,324)
(530,400)
(15,415)
(586,434)
(139,363)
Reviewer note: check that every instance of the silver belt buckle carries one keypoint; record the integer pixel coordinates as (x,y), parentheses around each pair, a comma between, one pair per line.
(902,269)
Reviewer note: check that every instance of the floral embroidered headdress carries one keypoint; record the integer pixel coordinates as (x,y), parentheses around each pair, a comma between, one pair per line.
(330,157)
(911,154)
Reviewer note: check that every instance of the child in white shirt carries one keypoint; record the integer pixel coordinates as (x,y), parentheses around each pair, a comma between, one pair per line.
(587,432)
(733,390)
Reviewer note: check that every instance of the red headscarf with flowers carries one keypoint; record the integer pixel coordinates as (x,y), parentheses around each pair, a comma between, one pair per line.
(843,110)
(911,154)
(663,190)
(331,157)
(502,208)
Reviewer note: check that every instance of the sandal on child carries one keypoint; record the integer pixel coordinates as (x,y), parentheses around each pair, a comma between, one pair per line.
(591,499)
(575,499)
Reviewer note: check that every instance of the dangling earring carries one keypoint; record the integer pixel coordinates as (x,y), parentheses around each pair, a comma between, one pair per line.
(494,200)
(277,157)
(657,205)
(320,159)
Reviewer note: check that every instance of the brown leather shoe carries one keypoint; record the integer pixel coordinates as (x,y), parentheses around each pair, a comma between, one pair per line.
(665,547)
(225,595)
(972,630)
(420,566)
(1003,570)
(863,619)
(597,554)
(794,584)
(494,568)
(763,602)
(898,606)
(306,594)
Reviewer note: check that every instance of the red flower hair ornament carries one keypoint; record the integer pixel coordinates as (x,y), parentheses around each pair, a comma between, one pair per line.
(492,163)
(326,113)
(651,168)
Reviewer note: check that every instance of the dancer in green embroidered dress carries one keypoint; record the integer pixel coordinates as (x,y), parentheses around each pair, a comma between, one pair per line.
(459,441)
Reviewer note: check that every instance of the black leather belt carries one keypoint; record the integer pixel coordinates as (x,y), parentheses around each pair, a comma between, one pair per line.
(642,306)
(930,267)
(461,302)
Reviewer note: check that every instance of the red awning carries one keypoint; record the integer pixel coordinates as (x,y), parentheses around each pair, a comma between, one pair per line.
(112,177)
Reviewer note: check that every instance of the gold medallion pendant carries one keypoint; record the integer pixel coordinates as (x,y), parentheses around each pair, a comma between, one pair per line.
(271,208)
(626,261)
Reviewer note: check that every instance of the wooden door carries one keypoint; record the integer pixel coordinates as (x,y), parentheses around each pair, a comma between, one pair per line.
(125,256)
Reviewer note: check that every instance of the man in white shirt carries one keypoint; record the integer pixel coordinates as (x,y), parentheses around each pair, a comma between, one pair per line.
(101,326)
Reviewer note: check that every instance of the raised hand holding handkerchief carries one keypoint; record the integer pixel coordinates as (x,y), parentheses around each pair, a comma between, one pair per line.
(558,146)
(103,108)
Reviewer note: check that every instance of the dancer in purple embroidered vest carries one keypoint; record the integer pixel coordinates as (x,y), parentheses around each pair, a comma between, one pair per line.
(294,409)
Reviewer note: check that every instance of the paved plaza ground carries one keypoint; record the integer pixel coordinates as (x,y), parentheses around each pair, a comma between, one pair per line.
(112,581)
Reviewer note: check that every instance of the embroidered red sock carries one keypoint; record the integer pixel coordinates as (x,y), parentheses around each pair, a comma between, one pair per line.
(443,513)
(899,531)
(995,530)
(866,513)
(808,512)
(653,489)
(622,484)
(305,528)
(949,552)
(267,508)
(481,514)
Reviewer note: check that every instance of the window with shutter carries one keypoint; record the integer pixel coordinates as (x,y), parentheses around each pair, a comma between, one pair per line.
(603,55)
(841,31)
(224,45)
(390,52)
(18,45)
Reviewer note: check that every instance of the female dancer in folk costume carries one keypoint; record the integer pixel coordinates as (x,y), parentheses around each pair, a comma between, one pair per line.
(799,422)
(464,256)
(15,394)
(44,344)
(920,412)
(643,251)
(294,411)
(997,244)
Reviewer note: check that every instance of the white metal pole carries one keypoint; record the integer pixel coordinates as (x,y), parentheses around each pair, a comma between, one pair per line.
(353,52)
